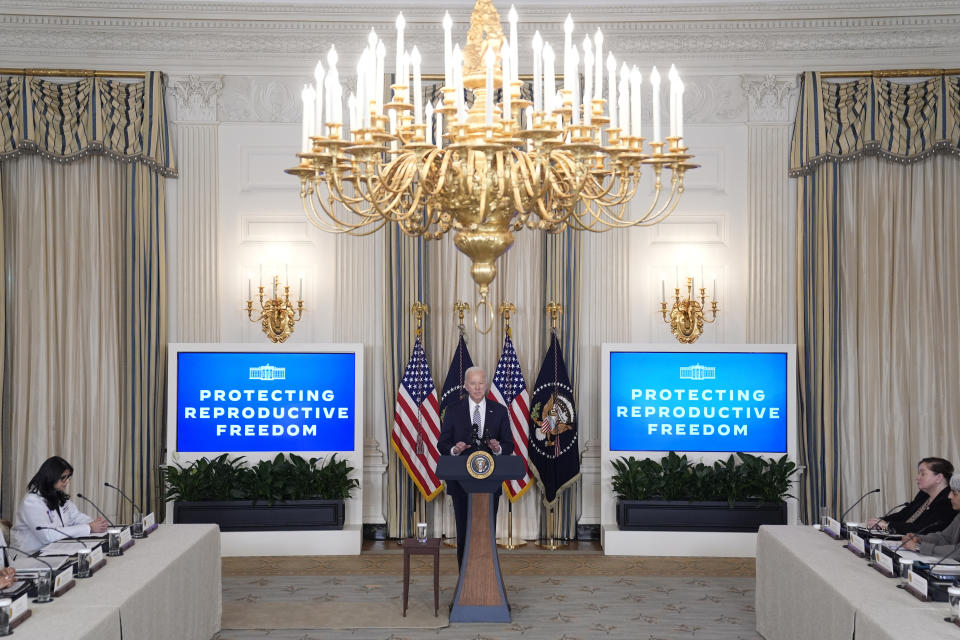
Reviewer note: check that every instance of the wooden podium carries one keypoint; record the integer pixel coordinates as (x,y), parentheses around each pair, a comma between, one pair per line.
(480,596)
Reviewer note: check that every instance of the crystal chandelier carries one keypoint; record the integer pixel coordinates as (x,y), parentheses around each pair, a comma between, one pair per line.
(561,160)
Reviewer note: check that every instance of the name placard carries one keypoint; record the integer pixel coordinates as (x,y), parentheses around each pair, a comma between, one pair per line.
(19,607)
(124,536)
(884,563)
(832,528)
(96,557)
(855,544)
(149,522)
(63,579)
(917,585)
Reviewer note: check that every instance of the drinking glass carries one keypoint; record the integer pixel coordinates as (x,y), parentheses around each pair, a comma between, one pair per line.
(5,616)
(875,551)
(113,542)
(44,582)
(136,527)
(953,594)
(83,563)
(906,565)
(421,532)
(823,515)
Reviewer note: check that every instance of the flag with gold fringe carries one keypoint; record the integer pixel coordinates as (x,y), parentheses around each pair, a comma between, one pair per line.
(554,451)
(510,389)
(416,424)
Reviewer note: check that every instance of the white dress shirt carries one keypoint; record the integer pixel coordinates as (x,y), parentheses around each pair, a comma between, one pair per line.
(33,512)
(471,406)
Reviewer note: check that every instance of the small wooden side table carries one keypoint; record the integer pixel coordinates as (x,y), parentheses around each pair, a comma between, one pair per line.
(431,547)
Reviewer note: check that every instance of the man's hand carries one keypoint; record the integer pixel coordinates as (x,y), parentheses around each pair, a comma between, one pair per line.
(494,445)
(460,447)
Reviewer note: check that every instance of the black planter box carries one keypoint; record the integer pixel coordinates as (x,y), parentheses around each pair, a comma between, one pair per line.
(667,515)
(244,515)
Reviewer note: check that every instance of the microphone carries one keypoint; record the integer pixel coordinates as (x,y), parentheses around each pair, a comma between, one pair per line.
(856,503)
(902,504)
(137,509)
(903,540)
(27,555)
(64,533)
(948,553)
(94,505)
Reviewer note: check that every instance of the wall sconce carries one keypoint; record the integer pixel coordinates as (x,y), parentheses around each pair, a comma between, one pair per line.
(687,314)
(277,315)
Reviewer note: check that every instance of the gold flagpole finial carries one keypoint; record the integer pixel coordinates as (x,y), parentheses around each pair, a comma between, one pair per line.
(460,307)
(554,308)
(506,308)
(419,310)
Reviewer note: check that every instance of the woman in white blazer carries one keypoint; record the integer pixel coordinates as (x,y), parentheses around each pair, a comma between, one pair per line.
(47,505)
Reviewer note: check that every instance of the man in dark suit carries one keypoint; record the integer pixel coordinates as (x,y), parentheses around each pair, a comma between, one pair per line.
(490,421)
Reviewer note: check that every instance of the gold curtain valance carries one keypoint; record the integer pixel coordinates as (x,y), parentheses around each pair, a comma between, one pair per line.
(876,115)
(66,121)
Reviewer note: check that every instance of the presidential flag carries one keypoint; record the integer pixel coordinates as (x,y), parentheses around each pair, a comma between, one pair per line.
(554,452)
(416,424)
(453,384)
(510,389)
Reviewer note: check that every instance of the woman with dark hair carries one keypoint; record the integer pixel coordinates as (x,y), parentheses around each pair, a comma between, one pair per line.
(47,505)
(931,509)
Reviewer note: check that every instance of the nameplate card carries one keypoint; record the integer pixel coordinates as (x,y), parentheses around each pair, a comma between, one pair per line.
(917,586)
(884,564)
(856,545)
(149,523)
(19,607)
(63,581)
(125,540)
(96,556)
(832,528)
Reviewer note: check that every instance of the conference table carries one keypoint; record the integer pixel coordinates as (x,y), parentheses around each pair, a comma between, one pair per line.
(166,586)
(809,585)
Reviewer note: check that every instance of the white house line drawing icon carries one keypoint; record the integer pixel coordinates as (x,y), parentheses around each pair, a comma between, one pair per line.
(698,372)
(268,372)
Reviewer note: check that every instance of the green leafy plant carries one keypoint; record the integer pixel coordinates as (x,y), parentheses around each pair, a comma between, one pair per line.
(740,477)
(283,478)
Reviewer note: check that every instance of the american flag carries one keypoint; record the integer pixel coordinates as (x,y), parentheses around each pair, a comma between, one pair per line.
(416,424)
(510,389)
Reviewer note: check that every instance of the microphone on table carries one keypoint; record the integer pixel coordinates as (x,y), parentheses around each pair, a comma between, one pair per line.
(903,540)
(29,555)
(842,517)
(948,553)
(135,507)
(64,533)
(875,526)
(94,505)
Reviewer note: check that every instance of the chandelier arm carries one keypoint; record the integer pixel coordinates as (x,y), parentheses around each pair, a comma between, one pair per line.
(335,194)
(676,189)
(309,207)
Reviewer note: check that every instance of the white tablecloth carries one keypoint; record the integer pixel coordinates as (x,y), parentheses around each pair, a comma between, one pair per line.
(808,586)
(165,586)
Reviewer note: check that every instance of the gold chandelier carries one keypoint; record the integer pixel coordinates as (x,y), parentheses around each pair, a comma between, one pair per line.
(487,170)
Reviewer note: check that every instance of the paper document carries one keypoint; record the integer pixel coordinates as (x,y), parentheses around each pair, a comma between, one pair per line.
(62,548)
(26,563)
(919,557)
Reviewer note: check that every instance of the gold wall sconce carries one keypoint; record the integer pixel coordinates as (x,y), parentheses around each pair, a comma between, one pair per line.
(687,315)
(277,315)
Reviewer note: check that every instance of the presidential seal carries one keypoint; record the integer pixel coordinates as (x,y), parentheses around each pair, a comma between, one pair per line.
(480,464)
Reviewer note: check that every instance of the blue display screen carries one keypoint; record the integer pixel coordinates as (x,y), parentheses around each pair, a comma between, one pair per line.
(265,401)
(700,401)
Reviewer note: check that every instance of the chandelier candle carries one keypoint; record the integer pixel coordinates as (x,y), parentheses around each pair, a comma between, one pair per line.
(563,161)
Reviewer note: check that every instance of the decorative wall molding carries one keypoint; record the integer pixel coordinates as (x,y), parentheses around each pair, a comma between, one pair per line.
(261,99)
(196,98)
(685,228)
(769,97)
(198,287)
(289,229)
(771,236)
(214,37)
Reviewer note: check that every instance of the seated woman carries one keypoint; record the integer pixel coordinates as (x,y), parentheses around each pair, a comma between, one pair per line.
(930,510)
(46,505)
(942,542)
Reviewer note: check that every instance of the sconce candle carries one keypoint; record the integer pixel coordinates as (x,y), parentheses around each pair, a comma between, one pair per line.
(277,315)
(688,313)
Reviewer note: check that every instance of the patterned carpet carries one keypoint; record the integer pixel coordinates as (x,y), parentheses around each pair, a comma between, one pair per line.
(564,596)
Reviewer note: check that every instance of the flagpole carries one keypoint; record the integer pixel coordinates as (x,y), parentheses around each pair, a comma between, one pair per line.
(554,308)
(459,307)
(506,308)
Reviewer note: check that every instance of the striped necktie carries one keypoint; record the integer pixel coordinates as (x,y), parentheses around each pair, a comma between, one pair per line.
(476,419)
